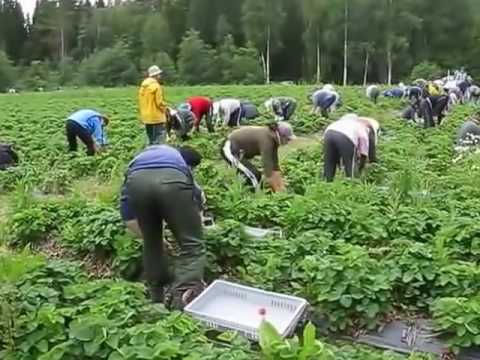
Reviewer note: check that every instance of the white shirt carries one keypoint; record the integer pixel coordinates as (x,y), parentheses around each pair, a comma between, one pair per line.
(356,131)
(224,108)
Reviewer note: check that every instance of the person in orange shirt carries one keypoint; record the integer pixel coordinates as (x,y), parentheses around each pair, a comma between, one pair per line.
(153,107)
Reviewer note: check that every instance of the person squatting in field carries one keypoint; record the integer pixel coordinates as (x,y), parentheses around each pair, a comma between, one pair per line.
(282,107)
(325,101)
(153,107)
(351,140)
(159,187)
(89,127)
(245,143)
(414,94)
(202,108)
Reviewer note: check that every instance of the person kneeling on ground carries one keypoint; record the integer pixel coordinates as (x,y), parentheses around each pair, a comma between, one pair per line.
(8,157)
(202,108)
(89,127)
(244,144)
(159,186)
(282,107)
(325,101)
(346,140)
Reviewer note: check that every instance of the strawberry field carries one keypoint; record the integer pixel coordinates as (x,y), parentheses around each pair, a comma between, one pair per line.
(402,242)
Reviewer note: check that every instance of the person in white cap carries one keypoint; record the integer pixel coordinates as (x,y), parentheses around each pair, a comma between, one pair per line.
(153,107)
(245,143)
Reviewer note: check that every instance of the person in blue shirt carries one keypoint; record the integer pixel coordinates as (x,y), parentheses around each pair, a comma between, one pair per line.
(394,93)
(159,187)
(89,127)
(325,101)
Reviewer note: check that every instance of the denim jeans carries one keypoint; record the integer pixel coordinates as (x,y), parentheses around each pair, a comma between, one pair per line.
(156,133)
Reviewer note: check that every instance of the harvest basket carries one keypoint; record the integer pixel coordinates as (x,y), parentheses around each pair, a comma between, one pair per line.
(228,306)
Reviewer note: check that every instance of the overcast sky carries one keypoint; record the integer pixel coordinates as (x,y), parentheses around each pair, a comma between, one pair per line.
(28,6)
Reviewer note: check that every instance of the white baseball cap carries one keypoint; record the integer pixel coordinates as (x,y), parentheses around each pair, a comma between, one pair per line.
(154,71)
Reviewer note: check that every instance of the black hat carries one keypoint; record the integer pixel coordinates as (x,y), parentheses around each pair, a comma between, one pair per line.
(191,156)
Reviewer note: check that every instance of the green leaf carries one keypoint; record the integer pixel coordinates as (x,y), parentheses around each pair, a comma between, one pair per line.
(56,353)
(91,348)
(268,336)
(372,310)
(42,346)
(81,331)
(113,340)
(346,301)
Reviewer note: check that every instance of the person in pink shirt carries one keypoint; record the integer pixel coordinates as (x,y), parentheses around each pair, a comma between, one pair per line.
(347,140)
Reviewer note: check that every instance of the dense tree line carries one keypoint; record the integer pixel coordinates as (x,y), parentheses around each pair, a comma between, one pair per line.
(202,41)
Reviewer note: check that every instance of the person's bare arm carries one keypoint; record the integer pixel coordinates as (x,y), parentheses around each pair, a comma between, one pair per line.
(276,182)
(271,168)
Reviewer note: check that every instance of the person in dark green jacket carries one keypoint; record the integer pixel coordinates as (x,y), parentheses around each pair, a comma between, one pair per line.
(159,187)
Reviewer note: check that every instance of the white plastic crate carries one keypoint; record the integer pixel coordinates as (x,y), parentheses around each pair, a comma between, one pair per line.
(228,306)
(262,233)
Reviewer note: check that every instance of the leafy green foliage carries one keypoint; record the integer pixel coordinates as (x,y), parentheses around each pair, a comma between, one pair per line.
(109,67)
(396,240)
(426,70)
(459,318)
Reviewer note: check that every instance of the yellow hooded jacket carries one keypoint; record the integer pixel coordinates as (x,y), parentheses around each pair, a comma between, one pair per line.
(434,89)
(151,102)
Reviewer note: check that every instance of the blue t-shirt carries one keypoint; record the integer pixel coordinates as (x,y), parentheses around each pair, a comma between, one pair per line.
(92,121)
(396,92)
(154,157)
(324,99)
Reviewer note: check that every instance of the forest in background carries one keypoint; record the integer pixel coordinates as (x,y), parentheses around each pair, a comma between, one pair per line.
(72,42)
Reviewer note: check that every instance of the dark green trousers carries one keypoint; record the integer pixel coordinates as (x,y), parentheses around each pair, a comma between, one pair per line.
(159,195)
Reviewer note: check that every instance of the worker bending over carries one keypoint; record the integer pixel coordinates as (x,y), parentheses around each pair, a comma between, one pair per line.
(244,144)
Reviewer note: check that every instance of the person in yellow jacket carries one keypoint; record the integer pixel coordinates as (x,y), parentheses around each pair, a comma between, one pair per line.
(153,107)
(434,89)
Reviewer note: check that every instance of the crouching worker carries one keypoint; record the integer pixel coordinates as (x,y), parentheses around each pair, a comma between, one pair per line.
(227,112)
(89,127)
(159,187)
(244,144)
(347,141)
(469,133)
(282,107)
(8,157)
(202,108)
(180,120)
(325,101)
(373,93)
(432,109)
